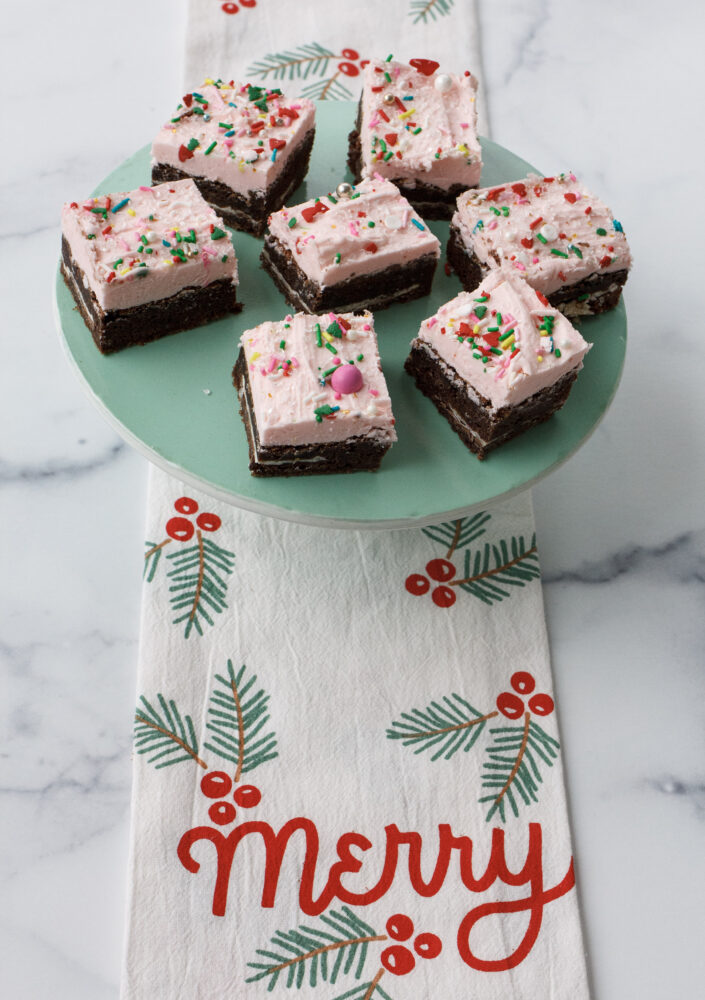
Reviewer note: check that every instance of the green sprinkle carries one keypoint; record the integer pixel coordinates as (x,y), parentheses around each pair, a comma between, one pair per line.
(192,144)
(223,258)
(371,225)
(388,156)
(507,334)
(389,58)
(482,298)
(337,258)
(558,253)
(282,345)
(227,125)
(319,339)
(601,232)
(480,310)
(495,210)
(387,77)
(505,210)
(329,371)
(217,233)
(332,199)
(334,330)
(557,353)
(148,250)
(495,350)
(91,236)
(416,130)
(499,319)
(117,263)
(329,347)
(584,297)
(198,111)
(143,239)
(576,250)
(541,238)
(361,357)
(211,148)
(291,223)
(493,329)
(461,340)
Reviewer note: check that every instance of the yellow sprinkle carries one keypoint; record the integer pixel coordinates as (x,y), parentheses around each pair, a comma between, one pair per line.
(476,328)
(124,270)
(539,357)
(326,336)
(407,114)
(255,356)
(463,148)
(131,211)
(507,344)
(208,81)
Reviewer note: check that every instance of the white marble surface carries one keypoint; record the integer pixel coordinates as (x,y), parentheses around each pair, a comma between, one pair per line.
(605,89)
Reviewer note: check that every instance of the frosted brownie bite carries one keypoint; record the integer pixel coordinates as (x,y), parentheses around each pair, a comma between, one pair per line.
(417,127)
(246,147)
(363,247)
(496,361)
(312,395)
(550,230)
(144,263)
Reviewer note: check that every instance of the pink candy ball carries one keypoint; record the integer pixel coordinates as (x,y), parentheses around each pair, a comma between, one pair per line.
(346,378)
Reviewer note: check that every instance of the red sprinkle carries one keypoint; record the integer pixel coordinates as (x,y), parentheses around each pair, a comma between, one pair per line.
(588,210)
(519,189)
(426,66)
(527,242)
(110,277)
(562,276)
(74,204)
(572,198)
(448,269)
(494,194)
(382,114)
(542,298)
(399,104)
(107,230)
(185,153)
(312,211)
(277,143)
(345,325)
(371,248)
(391,138)
(376,90)
(492,338)
(536,222)
(464,330)
(606,261)
(256,126)
(548,180)
(288,113)
(188,100)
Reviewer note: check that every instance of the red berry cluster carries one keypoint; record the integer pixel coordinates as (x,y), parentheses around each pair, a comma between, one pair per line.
(440,570)
(218,785)
(232,8)
(352,63)
(399,960)
(181,529)
(512,705)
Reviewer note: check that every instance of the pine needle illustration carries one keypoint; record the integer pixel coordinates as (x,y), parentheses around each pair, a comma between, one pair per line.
(164,734)
(199,584)
(444,727)
(457,534)
(152,557)
(336,945)
(300,63)
(237,716)
(425,10)
(327,90)
(512,771)
(492,569)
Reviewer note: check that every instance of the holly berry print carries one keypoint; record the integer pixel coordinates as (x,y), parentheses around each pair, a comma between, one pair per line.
(198,571)
(487,571)
(234,8)
(338,945)
(516,754)
(315,62)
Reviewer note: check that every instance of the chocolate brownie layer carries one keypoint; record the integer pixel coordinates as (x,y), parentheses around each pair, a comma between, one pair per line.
(119,328)
(478,425)
(247,212)
(597,293)
(398,283)
(356,454)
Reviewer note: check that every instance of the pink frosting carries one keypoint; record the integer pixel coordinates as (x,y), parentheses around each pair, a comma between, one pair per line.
(492,338)
(239,144)
(576,235)
(290,379)
(127,244)
(364,234)
(430,129)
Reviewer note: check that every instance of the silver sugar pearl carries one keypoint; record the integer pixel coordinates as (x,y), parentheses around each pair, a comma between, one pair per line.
(344,190)
(443,83)
(278,121)
(389,99)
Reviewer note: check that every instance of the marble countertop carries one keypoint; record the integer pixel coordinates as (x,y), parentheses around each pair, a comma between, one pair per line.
(604,89)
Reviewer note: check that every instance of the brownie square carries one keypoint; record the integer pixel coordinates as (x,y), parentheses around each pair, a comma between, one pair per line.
(246,147)
(145,263)
(313,398)
(496,361)
(550,230)
(361,248)
(417,126)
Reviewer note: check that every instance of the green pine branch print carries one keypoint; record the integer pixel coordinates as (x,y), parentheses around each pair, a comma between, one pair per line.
(457,534)
(327,90)
(198,583)
(337,945)
(512,771)
(442,727)
(493,568)
(165,735)
(237,717)
(152,557)
(297,63)
(516,754)
(425,10)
